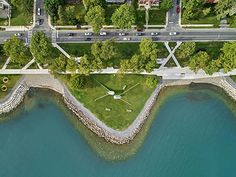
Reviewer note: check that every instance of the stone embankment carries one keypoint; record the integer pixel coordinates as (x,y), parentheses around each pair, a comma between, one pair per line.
(88,118)
(14,98)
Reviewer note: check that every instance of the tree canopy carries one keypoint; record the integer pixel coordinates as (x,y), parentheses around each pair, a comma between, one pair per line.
(124,16)
(199,61)
(95,17)
(185,50)
(40,47)
(16,50)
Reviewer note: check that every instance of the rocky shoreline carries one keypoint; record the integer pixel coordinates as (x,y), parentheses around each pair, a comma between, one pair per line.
(93,123)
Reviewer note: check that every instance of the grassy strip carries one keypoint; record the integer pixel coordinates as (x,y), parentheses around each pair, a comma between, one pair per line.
(118,117)
(234,78)
(10,84)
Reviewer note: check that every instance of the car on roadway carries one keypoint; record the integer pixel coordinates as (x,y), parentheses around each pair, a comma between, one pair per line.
(38,11)
(122,34)
(103,33)
(39,22)
(88,39)
(126,39)
(18,34)
(70,34)
(88,34)
(173,33)
(177,9)
(139,34)
(154,34)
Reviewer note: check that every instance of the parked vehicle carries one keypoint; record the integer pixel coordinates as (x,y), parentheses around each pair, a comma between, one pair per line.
(139,34)
(88,39)
(177,9)
(70,34)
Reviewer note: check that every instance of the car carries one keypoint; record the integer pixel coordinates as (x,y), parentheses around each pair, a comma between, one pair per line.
(18,34)
(154,34)
(103,33)
(70,34)
(122,34)
(39,22)
(38,11)
(88,34)
(88,39)
(173,33)
(177,9)
(126,39)
(139,34)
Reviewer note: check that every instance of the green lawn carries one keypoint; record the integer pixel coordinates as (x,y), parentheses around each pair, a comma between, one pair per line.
(234,78)
(10,84)
(125,50)
(118,117)
(109,10)
(212,48)
(19,19)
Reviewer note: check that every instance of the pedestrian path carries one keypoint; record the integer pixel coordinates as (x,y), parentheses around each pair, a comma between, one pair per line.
(28,64)
(6,63)
(61,50)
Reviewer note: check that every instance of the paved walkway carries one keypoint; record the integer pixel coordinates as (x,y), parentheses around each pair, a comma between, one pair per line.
(29,64)
(6,63)
(61,50)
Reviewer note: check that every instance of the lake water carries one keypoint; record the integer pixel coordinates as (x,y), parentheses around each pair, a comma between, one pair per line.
(193,134)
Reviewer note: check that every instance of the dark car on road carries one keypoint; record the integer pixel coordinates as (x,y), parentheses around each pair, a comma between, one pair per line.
(178,9)
(139,34)
(88,39)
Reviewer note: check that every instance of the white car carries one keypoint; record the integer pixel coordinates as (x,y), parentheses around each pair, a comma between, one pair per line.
(18,34)
(122,34)
(88,34)
(173,33)
(126,39)
(38,11)
(154,34)
(103,33)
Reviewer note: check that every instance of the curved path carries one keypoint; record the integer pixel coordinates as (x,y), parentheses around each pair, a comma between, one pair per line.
(88,118)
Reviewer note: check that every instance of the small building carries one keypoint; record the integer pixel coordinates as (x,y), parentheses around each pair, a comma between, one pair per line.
(115,1)
(4,9)
(151,3)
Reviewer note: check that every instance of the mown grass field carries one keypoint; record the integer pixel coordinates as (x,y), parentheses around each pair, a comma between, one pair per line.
(118,117)
(10,84)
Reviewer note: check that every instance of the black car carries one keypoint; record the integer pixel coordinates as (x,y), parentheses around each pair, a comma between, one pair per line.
(70,34)
(88,39)
(139,34)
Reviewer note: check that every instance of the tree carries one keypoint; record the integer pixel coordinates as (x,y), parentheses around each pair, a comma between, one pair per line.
(186,50)
(16,50)
(51,6)
(95,17)
(124,16)
(199,61)
(148,49)
(71,65)
(59,64)
(225,8)
(166,4)
(84,66)
(228,58)
(61,14)
(40,47)
(26,6)
(91,3)
(151,81)
(70,15)
(124,66)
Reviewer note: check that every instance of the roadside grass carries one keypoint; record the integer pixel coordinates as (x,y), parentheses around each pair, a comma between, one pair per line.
(212,48)
(109,10)
(124,50)
(19,19)
(10,84)
(234,78)
(118,117)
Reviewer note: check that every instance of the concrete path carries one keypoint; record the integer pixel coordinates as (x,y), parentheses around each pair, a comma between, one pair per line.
(28,64)
(171,54)
(61,50)
(6,63)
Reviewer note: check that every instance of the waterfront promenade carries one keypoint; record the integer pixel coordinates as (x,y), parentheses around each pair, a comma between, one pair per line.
(88,118)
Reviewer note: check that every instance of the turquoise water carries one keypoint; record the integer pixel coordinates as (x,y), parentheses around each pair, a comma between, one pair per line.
(194,135)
